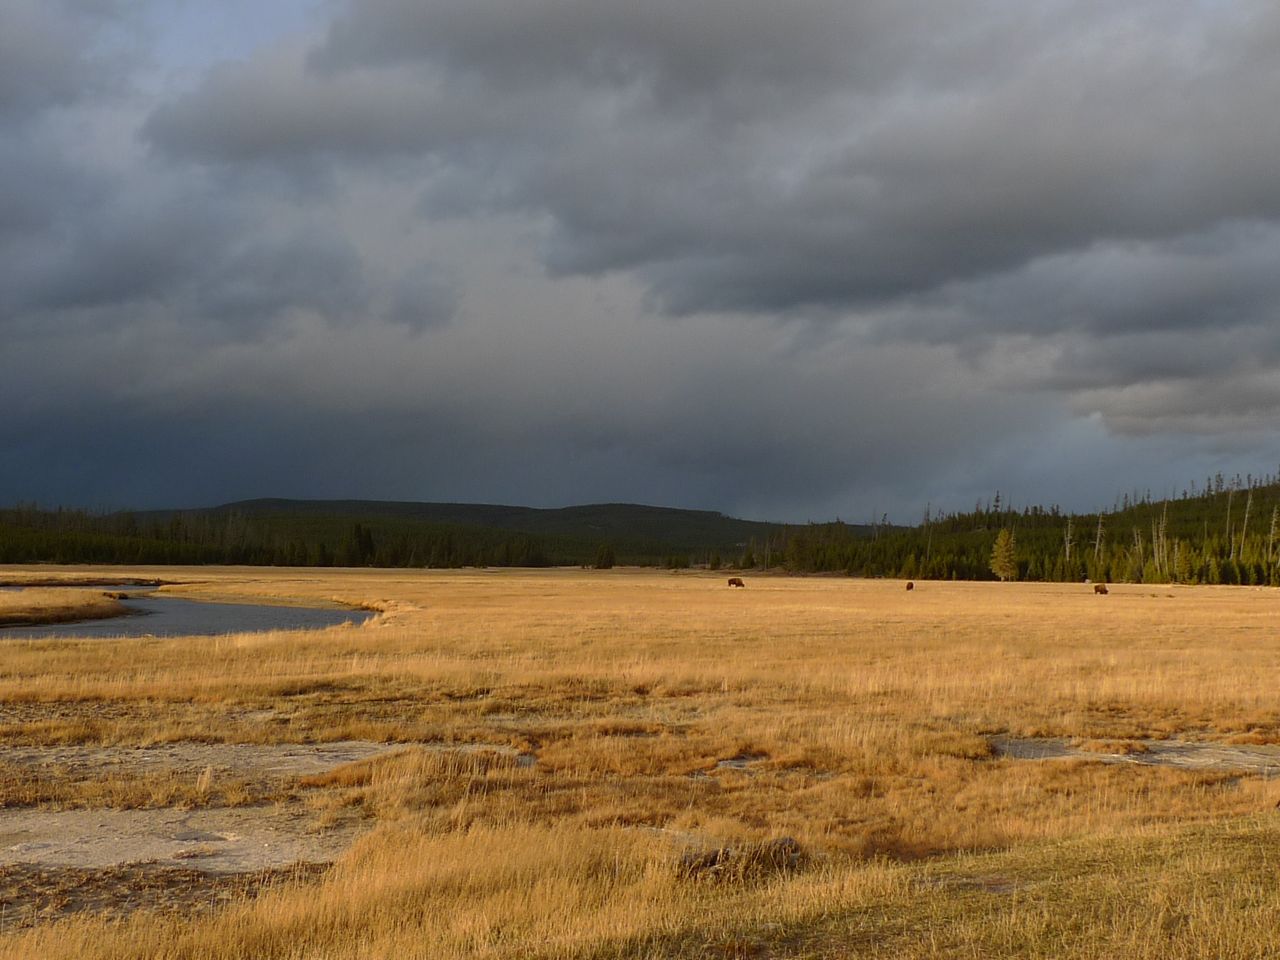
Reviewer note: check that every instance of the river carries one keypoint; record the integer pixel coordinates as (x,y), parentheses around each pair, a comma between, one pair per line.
(164,616)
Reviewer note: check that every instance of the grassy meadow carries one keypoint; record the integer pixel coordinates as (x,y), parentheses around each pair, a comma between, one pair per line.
(573,739)
(39,606)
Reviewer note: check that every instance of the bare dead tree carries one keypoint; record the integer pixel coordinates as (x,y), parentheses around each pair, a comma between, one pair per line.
(1231,547)
(1244,527)
(1271,537)
(1163,563)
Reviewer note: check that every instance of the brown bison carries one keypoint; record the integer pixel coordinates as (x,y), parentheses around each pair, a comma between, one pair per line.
(1100,588)
(736,582)
(911,585)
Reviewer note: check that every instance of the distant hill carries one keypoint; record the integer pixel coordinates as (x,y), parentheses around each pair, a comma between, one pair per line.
(1225,531)
(624,522)
(389,533)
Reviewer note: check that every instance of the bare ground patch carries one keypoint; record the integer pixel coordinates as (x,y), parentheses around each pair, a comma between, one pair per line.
(32,894)
(1185,754)
(213,840)
(217,840)
(188,858)
(181,775)
(110,861)
(247,761)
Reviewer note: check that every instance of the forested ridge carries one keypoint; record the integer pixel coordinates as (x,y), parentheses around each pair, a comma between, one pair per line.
(1226,530)
(373,533)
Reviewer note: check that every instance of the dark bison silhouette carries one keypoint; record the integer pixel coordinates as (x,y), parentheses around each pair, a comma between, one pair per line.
(736,582)
(1100,588)
(911,585)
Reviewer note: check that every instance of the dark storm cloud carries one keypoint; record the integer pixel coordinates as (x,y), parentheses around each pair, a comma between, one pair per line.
(142,245)
(128,248)
(904,250)
(45,54)
(492,413)
(38,189)
(1221,278)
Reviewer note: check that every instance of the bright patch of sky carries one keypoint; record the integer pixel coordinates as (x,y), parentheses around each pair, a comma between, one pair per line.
(192,35)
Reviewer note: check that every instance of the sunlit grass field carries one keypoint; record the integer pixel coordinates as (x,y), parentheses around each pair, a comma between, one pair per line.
(37,606)
(593,713)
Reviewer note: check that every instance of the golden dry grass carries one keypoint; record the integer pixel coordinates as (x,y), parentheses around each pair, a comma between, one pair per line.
(857,717)
(21,786)
(35,605)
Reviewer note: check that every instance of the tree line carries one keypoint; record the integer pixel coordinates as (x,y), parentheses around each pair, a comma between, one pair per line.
(1226,531)
(31,535)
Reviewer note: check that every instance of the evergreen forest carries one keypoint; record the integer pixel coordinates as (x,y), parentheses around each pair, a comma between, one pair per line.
(1224,531)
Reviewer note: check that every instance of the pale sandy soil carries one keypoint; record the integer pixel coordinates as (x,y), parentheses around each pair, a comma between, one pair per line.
(109,861)
(216,840)
(59,862)
(227,840)
(1163,753)
(31,895)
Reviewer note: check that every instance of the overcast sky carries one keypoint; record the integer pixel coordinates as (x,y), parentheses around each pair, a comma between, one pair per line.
(784,260)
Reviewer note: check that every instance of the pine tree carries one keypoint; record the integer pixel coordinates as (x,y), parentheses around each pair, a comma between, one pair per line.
(1184,572)
(1004,563)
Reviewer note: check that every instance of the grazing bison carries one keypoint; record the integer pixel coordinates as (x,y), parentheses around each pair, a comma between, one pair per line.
(911,585)
(736,582)
(1100,588)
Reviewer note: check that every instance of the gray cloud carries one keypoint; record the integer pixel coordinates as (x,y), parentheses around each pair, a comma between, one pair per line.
(45,54)
(756,157)
(693,416)
(789,260)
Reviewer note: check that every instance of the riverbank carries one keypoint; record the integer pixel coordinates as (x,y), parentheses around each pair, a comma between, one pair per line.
(35,607)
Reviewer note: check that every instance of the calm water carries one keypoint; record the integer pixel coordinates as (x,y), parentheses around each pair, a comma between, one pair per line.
(173,616)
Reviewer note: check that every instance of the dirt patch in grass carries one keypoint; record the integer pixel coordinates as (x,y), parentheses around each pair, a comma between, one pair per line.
(1122,748)
(184,775)
(32,895)
(1185,754)
(241,761)
(217,841)
(186,857)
